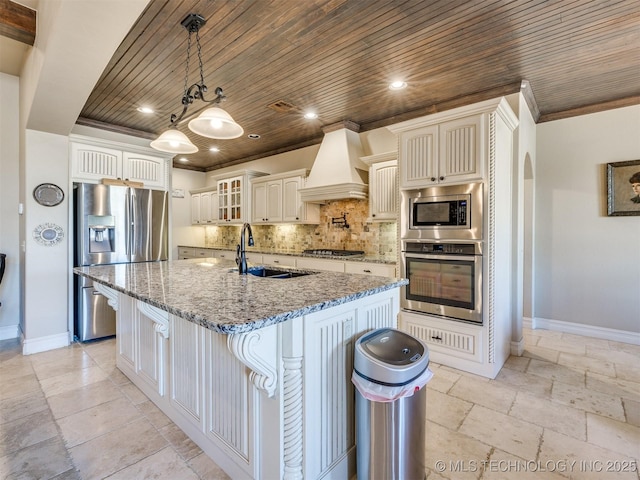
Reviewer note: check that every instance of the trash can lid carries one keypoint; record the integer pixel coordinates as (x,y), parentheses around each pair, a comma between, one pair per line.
(390,357)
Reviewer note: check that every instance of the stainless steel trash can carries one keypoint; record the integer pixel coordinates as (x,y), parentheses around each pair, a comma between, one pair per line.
(390,434)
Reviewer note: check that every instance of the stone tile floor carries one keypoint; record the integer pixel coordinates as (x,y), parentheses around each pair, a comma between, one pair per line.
(568,408)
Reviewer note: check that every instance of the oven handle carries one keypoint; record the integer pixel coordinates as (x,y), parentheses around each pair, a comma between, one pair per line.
(426,256)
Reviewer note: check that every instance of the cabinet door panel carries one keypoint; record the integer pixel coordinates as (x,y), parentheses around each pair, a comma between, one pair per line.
(126,332)
(419,150)
(148,356)
(186,369)
(274,201)
(460,149)
(291,204)
(95,163)
(151,171)
(195,208)
(259,199)
(383,191)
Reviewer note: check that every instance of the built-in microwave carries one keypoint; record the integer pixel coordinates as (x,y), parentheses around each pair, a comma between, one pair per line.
(451,212)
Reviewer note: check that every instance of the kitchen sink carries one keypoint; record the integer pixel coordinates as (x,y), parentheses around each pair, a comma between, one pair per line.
(266,272)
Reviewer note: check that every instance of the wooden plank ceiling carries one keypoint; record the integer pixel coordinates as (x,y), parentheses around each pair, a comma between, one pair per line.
(336,57)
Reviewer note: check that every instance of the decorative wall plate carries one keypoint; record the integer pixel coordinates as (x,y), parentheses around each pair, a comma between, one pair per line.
(48,194)
(48,234)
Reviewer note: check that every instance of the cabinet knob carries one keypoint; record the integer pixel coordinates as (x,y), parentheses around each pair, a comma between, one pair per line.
(441,178)
(276,261)
(436,337)
(297,218)
(373,214)
(433,179)
(366,270)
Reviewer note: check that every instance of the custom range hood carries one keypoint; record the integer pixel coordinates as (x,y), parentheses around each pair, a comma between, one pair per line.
(337,172)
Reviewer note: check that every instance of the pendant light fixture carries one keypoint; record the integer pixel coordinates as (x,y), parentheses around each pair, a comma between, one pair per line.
(213,122)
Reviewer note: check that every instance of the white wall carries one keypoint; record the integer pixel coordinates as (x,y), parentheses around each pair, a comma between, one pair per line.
(182,232)
(46,267)
(9,199)
(587,265)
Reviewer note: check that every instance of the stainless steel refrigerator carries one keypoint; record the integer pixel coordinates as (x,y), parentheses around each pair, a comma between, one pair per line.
(113,224)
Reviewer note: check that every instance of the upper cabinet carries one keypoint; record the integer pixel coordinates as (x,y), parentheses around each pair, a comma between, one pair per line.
(204,207)
(276,199)
(383,186)
(453,146)
(225,202)
(232,200)
(93,159)
(448,152)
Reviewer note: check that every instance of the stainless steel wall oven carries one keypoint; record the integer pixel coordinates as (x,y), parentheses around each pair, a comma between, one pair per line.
(445,279)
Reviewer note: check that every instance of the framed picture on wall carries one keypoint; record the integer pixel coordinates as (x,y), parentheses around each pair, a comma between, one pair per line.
(623,188)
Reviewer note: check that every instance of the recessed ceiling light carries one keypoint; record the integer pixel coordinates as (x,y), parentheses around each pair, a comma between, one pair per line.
(253,136)
(397,85)
(214,149)
(310,115)
(183,159)
(145,110)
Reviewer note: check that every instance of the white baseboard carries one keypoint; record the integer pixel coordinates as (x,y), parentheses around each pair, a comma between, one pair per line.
(10,331)
(603,333)
(42,344)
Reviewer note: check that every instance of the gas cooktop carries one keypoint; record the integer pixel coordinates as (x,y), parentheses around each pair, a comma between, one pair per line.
(334,253)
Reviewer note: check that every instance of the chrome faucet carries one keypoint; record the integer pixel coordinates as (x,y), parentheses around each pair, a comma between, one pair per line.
(241,255)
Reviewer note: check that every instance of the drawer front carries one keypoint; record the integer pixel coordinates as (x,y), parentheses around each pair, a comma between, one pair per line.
(370,269)
(320,264)
(253,258)
(186,252)
(203,253)
(225,254)
(279,260)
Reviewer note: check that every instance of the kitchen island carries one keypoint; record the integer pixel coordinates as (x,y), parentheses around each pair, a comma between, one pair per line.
(255,370)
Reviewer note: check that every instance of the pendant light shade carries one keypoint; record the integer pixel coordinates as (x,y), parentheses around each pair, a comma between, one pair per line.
(214,122)
(174,141)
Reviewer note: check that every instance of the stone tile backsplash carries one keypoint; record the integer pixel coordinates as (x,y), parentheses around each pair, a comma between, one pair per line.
(379,239)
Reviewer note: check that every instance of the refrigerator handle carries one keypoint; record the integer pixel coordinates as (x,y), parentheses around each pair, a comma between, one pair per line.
(127,224)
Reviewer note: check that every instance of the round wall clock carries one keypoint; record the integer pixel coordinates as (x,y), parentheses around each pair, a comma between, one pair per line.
(48,194)
(48,234)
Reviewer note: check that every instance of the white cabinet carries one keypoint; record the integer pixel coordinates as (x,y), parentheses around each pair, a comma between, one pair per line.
(233,394)
(320,264)
(276,199)
(195,208)
(152,171)
(267,202)
(142,336)
(92,160)
(383,186)
(186,390)
(444,152)
(208,208)
(230,200)
(278,260)
(186,252)
(233,196)
(366,268)
(204,207)
(474,142)
(252,258)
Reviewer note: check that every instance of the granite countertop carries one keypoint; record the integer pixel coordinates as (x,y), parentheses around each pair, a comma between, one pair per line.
(209,293)
(356,258)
